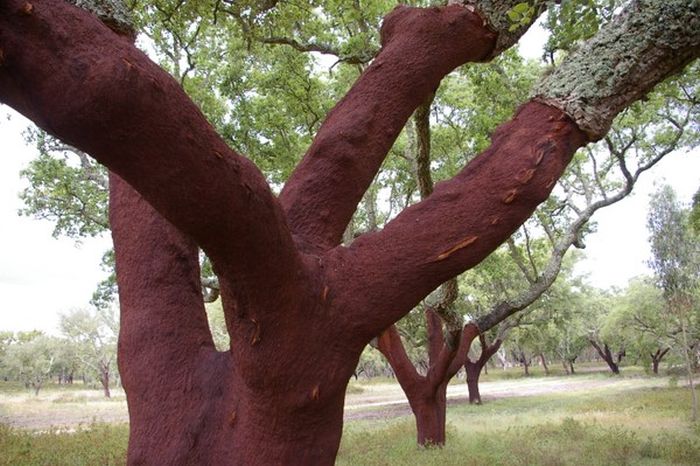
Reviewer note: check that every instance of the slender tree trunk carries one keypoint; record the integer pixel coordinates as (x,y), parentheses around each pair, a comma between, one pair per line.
(566,366)
(427,393)
(473,368)
(544,364)
(104,380)
(571,366)
(689,368)
(656,359)
(607,356)
(473,373)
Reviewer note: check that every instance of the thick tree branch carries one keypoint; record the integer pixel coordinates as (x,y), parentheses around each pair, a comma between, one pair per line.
(485,203)
(390,345)
(629,55)
(419,47)
(162,314)
(88,86)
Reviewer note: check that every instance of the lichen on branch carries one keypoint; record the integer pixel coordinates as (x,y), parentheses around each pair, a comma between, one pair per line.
(646,42)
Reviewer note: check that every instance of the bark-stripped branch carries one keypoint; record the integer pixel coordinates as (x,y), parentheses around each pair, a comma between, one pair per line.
(323,192)
(121,108)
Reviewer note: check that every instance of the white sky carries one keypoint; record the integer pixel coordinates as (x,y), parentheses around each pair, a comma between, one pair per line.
(41,276)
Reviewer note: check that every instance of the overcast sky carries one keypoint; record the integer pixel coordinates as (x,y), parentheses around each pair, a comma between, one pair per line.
(41,276)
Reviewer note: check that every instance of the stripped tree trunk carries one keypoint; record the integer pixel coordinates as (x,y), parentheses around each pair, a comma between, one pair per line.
(299,306)
(473,368)
(427,394)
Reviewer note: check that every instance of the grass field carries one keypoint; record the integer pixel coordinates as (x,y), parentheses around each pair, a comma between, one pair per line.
(636,421)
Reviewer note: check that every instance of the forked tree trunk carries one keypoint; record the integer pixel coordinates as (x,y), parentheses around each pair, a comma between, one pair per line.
(473,368)
(427,394)
(607,356)
(300,307)
(656,359)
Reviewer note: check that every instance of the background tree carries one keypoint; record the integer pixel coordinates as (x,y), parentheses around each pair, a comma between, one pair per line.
(676,263)
(640,316)
(94,334)
(32,361)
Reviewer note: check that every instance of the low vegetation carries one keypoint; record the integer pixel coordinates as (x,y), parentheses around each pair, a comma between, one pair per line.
(624,423)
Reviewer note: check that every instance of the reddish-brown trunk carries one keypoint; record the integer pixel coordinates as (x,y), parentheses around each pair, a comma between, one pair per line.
(429,411)
(427,394)
(607,356)
(299,306)
(473,370)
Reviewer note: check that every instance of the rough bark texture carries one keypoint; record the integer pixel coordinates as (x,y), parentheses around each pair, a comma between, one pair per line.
(299,306)
(623,62)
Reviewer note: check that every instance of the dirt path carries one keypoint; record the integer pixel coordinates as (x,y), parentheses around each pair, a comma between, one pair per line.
(387,400)
(73,409)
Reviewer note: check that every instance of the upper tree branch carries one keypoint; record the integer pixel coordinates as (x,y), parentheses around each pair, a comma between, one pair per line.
(484,203)
(90,87)
(499,190)
(419,47)
(325,49)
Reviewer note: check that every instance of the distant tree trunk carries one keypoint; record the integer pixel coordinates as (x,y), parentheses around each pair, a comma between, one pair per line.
(571,365)
(473,368)
(520,356)
(656,359)
(688,361)
(564,363)
(544,364)
(427,394)
(104,378)
(607,356)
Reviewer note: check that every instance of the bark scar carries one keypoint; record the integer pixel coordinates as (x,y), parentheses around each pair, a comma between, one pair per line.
(232,418)
(461,245)
(316,392)
(510,196)
(255,338)
(28,8)
(525,175)
(325,293)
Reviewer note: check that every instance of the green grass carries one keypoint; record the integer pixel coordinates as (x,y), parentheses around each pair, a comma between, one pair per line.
(610,426)
(95,445)
(635,427)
